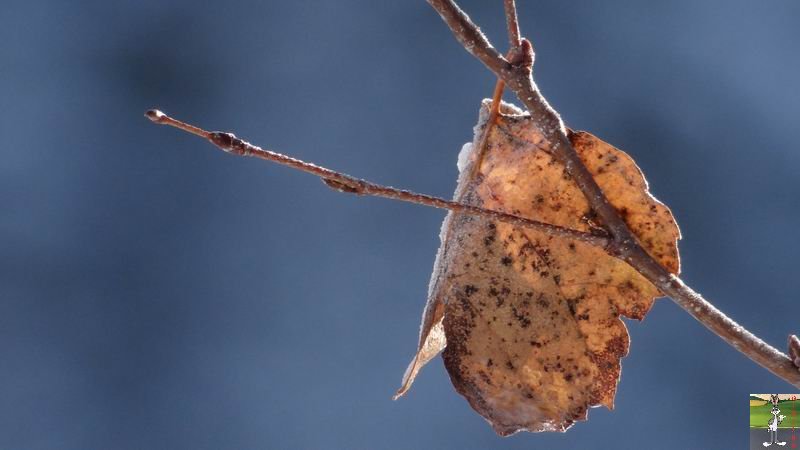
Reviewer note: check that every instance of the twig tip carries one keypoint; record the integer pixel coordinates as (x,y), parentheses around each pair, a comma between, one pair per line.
(155,115)
(159,117)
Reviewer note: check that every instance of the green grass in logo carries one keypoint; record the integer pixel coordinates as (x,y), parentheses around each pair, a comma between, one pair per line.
(760,415)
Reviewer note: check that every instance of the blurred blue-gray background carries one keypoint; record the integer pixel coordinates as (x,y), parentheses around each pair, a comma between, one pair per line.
(158,294)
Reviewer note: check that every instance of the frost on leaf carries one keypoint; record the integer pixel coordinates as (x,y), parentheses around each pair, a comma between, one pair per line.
(529,323)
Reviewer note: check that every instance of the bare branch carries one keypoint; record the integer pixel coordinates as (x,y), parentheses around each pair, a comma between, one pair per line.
(516,72)
(352,185)
(624,245)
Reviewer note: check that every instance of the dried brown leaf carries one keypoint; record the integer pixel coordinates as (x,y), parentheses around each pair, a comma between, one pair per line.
(529,323)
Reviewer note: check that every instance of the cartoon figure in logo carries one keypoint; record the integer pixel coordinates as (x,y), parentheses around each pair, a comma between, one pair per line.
(774,422)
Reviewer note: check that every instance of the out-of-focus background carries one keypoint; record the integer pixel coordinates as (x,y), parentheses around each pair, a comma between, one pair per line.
(156,293)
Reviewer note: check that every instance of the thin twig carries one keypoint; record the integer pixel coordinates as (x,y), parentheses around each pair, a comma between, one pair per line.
(512,22)
(624,244)
(352,185)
